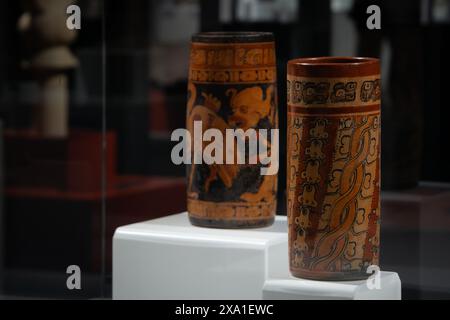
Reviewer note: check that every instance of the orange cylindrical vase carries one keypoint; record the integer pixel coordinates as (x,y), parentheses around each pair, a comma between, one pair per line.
(333,167)
(232,86)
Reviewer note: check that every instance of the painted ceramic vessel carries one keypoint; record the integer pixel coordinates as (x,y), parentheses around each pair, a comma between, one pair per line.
(333,181)
(232,85)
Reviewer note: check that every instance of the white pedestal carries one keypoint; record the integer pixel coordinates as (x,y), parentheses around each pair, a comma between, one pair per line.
(290,288)
(168,258)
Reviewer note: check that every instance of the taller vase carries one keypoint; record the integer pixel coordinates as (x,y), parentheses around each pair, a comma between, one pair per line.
(333,167)
(232,85)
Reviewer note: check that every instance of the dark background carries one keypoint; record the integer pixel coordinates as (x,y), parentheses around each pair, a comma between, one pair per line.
(131,82)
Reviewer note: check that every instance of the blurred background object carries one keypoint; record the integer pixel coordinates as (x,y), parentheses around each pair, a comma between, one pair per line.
(47,58)
(75,173)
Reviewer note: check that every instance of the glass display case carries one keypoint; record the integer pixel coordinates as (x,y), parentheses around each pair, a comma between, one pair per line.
(91,91)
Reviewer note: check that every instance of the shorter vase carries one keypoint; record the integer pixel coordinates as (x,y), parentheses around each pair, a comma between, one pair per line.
(232,87)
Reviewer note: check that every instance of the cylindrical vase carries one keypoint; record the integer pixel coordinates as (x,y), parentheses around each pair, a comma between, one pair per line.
(232,87)
(333,167)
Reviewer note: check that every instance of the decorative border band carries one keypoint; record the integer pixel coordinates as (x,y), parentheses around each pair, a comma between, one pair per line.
(333,92)
(232,56)
(231,210)
(260,75)
(338,111)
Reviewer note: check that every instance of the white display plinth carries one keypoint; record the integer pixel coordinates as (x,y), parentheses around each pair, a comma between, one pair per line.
(168,258)
(290,288)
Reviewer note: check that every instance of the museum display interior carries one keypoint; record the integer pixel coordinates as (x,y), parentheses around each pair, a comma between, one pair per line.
(86,117)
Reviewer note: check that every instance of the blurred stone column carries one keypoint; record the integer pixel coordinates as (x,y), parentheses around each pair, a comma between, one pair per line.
(48,58)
